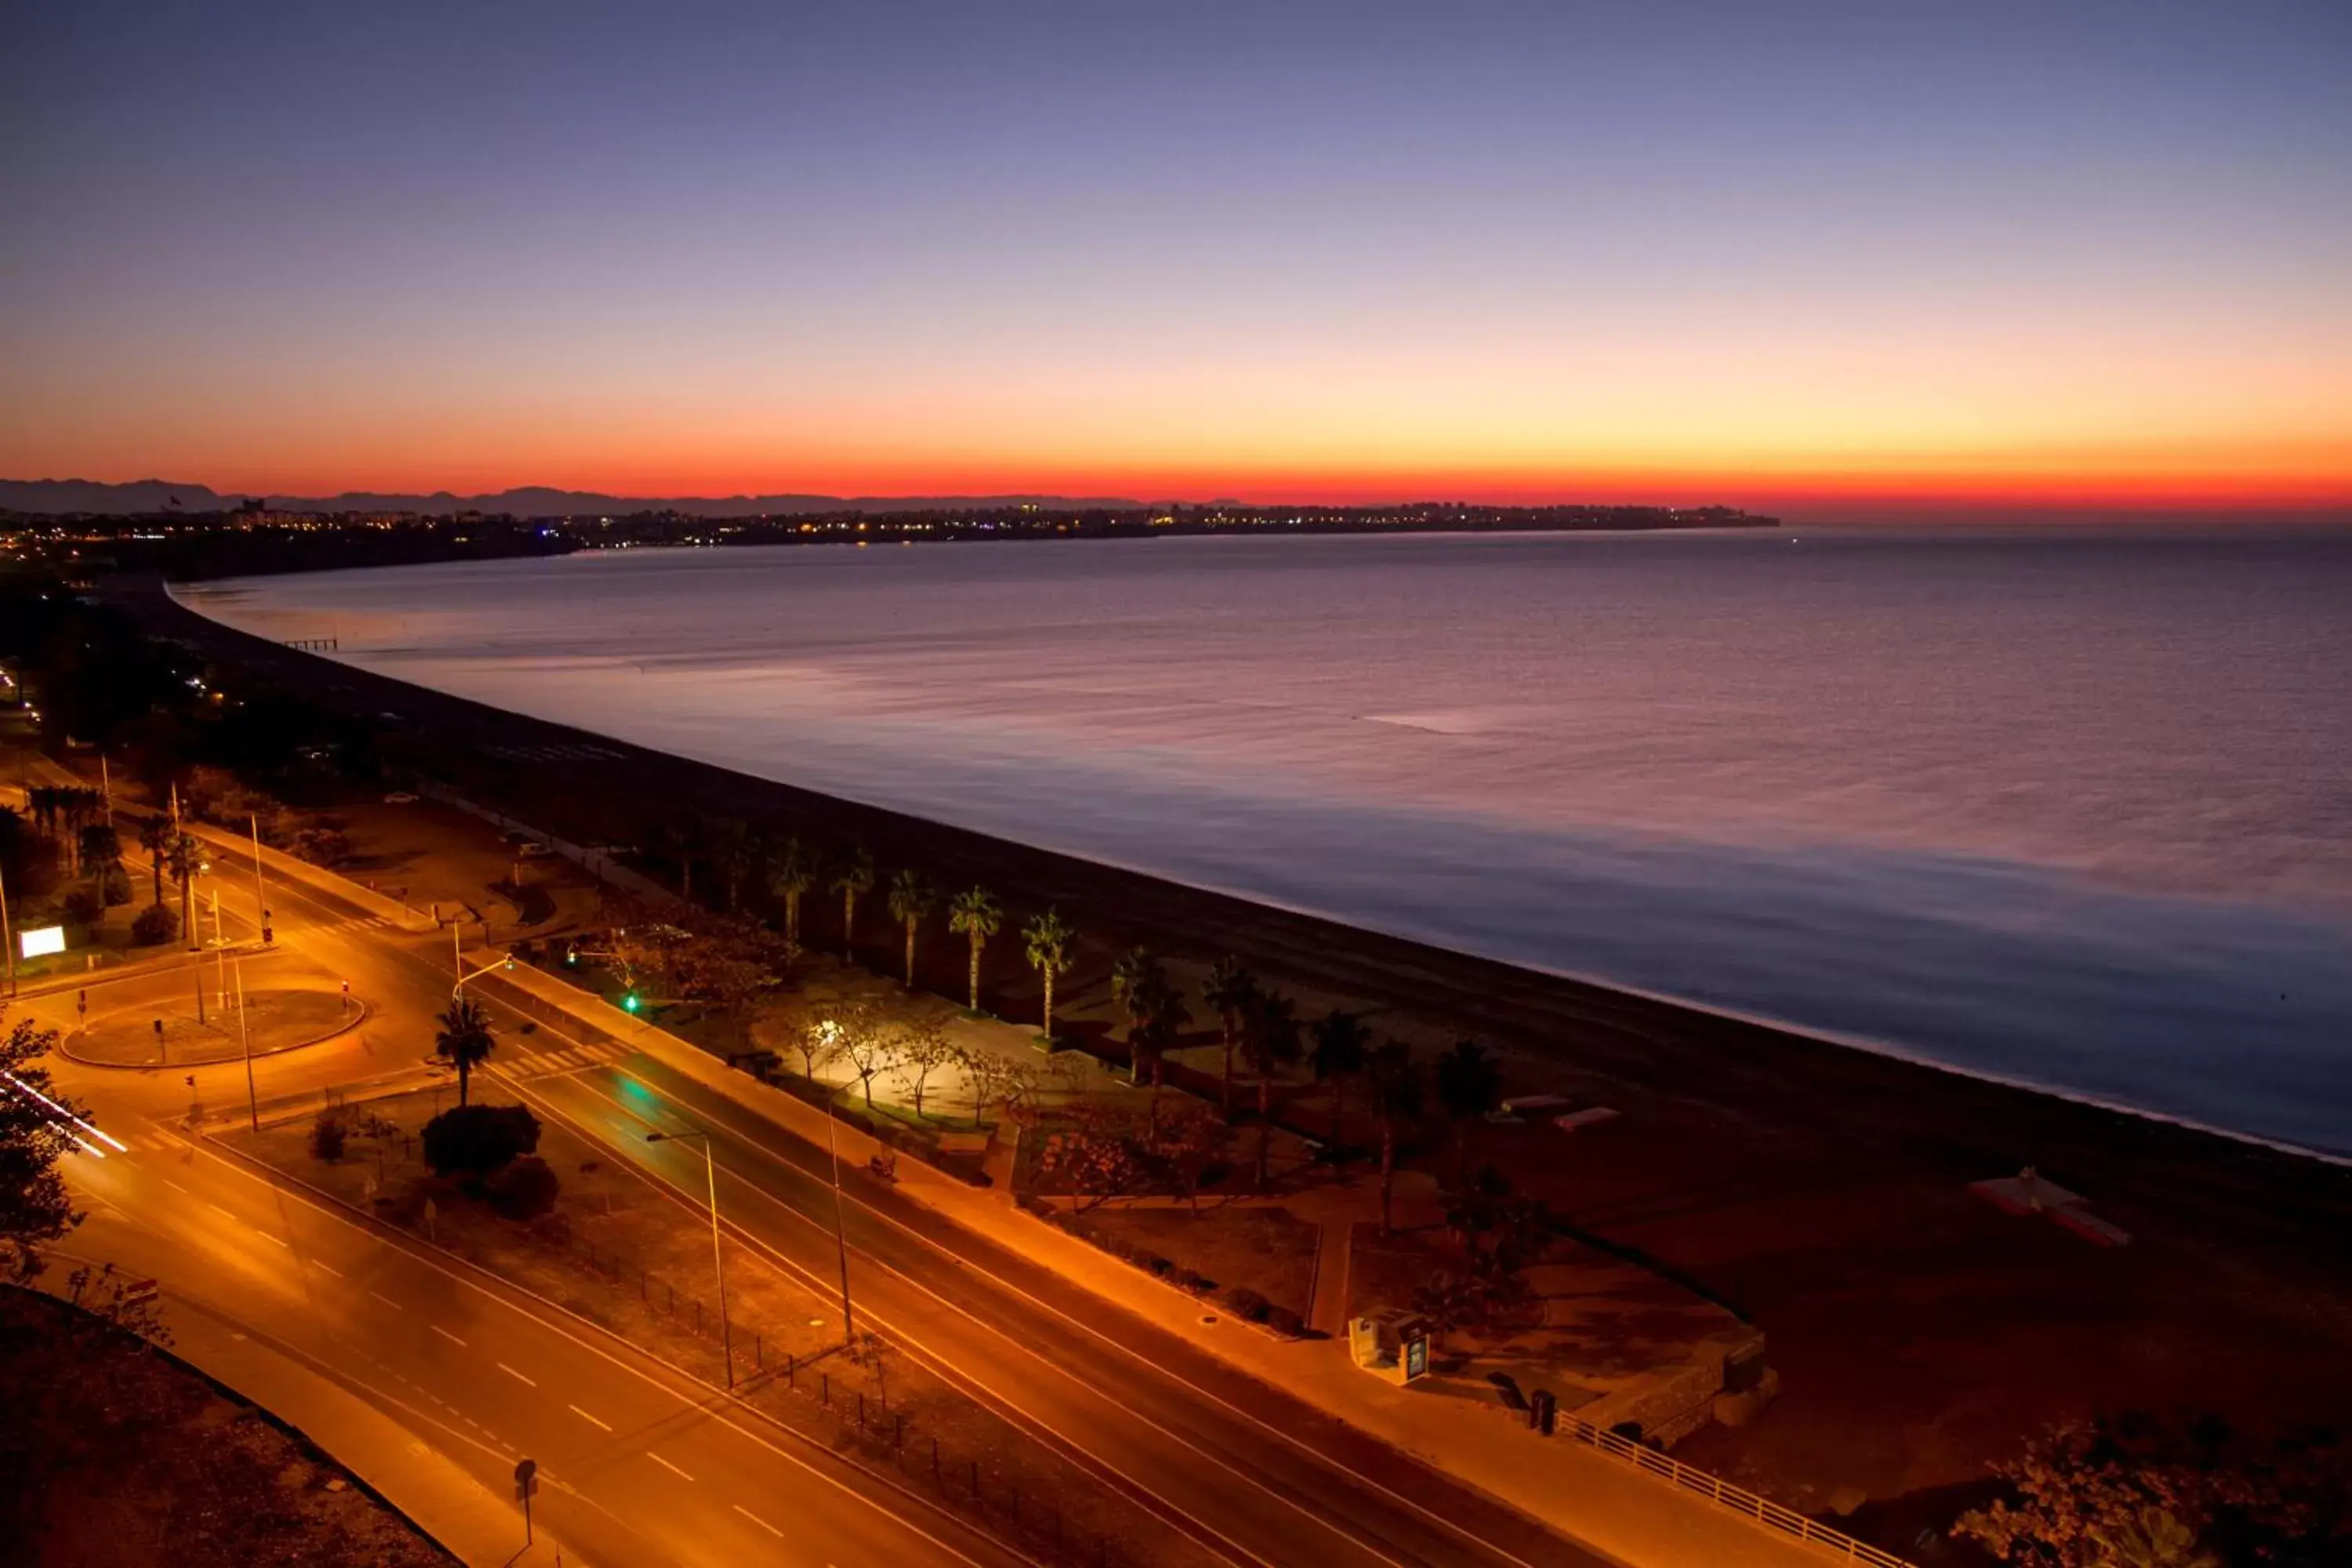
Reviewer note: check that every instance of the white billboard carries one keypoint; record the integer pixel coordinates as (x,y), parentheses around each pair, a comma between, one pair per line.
(40,942)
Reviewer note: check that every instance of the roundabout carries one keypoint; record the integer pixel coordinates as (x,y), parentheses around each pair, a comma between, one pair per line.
(168,1036)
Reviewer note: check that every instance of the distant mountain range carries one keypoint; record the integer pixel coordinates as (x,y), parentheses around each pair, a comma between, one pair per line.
(161,495)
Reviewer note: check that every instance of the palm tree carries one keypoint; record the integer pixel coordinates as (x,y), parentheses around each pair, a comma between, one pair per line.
(1136,981)
(1227,991)
(1469,1085)
(100,847)
(911,900)
(738,855)
(1338,1056)
(156,836)
(854,875)
(1271,1034)
(974,916)
(465,1040)
(791,873)
(1396,1105)
(1164,1017)
(1049,938)
(185,857)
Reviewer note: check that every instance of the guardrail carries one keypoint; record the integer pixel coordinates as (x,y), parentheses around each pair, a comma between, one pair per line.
(1738,1499)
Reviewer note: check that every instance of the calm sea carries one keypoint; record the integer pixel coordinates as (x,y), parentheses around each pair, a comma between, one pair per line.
(2066,808)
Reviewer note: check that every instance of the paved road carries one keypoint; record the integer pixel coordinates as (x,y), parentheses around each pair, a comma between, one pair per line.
(641,1464)
(1254,1475)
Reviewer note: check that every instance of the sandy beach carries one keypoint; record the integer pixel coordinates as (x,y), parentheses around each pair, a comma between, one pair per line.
(1820,1190)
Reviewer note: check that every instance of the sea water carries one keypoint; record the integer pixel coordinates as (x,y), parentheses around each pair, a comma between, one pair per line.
(2066,808)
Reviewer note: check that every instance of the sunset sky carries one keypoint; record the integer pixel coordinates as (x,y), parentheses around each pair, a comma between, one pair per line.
(1755,251)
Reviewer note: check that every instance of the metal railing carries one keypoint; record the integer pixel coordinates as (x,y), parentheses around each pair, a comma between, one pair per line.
(1738,1499)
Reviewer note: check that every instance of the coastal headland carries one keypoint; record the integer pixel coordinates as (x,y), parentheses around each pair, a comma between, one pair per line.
(1820,1190)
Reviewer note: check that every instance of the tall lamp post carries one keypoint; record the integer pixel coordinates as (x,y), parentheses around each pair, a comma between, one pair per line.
(840,1225)
(717,1259)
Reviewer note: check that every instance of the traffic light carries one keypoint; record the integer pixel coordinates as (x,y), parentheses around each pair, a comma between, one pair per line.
(630,1002)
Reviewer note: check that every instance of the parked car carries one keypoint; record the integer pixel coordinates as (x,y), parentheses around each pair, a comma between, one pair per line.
(531,849)
(400,797)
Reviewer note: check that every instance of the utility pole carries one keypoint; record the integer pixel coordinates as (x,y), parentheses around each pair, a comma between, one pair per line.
(245,1034)
(7,939)
(840,1227)
(718,1260)
(260,895)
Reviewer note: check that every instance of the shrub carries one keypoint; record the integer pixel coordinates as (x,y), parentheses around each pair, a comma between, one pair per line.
(1285,1322)
(474,1139)
(524,1189)
(329,1136)
(1159,1265)
(155,924)
(1186,1280)
(114,887)
(321,846)
(83,907)
(1246,1303)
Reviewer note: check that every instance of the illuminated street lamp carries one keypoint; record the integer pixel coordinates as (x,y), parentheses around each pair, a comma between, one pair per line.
(718,1260)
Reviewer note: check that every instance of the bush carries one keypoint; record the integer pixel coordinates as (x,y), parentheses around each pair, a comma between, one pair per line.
(1158,1265)
(114,887)
(329,1136)
(476,1140)
(525,1189)
(155,924)
(1186,1280)
(1246,1304)
(83,907)
(321,846)
(1285,1322)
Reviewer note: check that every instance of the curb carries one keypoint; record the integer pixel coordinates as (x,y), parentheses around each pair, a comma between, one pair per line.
(345,1026)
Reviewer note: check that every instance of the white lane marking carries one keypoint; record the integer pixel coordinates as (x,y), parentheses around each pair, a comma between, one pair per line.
(446,1335)
(176,1187)
(666,1465)
(278,1239)
(585,1416)
(625,1358)
(387,1300)
(518,1377)
(762,1524)
(218,1210)
(326,1268)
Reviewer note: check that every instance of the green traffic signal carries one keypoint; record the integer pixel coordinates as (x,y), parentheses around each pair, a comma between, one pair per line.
(630,1002)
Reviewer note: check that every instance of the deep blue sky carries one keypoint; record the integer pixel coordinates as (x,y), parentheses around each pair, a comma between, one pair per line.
(1262,247)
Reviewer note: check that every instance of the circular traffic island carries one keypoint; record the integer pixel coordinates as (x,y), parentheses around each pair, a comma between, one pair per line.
(170,1036)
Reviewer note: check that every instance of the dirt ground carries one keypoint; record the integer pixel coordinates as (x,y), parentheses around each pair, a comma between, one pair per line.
(142,1462)
(1268,1250)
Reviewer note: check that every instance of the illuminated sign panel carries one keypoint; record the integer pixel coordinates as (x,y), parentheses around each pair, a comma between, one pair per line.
(41,942)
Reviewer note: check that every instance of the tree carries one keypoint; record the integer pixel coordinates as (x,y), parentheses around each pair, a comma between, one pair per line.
(923,1048)
(869,1049)
(792,871)
(329,1136)
(185,858)
(476,1140)
(101,849)
(739,854)
(465,1040)
(1227,991)
(1136,981)
(1396,1106)
(1469,1085)
(2132,1491)
(156,836)
(34,1205)
(854,875)
(974,916)
(524,1188)
(1188,1141)
(816,1041)
(911,899)
(1270,1034)
(1048,937)
(1337,1056)
(1093,1155)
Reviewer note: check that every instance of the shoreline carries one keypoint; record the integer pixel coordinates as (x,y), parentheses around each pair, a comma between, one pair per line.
(1611,1007)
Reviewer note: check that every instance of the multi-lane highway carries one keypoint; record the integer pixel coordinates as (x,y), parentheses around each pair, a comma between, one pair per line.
(647,1466)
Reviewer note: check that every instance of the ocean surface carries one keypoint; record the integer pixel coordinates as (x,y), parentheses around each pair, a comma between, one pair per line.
(2073,809)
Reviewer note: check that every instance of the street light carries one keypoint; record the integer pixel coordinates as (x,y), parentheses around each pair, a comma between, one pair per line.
(831,1032)
(718,1260)
(457,991)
